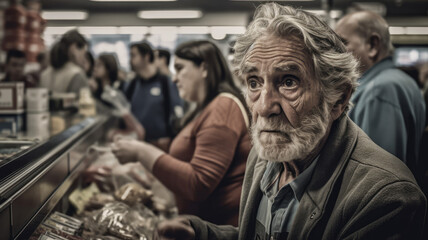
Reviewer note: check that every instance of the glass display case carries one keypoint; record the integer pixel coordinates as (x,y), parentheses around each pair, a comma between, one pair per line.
(35,175)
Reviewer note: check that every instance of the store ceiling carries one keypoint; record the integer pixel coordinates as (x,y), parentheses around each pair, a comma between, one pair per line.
(394,8)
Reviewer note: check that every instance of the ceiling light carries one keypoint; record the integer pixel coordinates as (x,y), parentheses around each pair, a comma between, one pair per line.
(417,30)
(317,12)
(408,30)
(170,14)
(64,15)
(220,32)
(271,0)
(163,30)
(376,7)
(57,30)
(133,30)
(133,0)
(397,30)
(98,30)
(336,14)
(194,30)
(229,29)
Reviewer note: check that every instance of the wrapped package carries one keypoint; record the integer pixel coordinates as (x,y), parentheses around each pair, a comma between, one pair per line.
(119,220)
(133,193)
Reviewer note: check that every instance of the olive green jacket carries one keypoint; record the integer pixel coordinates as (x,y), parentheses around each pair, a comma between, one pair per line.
(357,191)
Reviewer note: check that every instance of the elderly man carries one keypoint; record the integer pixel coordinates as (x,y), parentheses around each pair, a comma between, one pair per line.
(389,107)
(312,174)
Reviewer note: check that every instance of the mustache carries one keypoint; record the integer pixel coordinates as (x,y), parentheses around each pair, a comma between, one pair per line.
(279,123)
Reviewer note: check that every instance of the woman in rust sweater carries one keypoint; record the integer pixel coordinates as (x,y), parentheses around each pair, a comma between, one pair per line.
(206,161)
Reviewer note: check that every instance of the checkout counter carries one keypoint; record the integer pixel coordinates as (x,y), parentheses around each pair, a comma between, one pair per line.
(34,181)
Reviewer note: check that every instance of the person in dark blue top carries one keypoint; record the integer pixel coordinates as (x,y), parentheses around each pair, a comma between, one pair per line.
(154,98)
(388,103)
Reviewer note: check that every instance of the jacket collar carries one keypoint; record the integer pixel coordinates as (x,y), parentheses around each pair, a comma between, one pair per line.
(332,160)
(370,74)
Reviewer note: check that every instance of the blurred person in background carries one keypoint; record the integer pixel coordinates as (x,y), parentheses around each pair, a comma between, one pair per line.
(43,62)
(312,173)
(14,69)
(162,60)
(88,64)
(67,58)
(154,98)
(423,80)
(206,161)
(105,73)
(388,103)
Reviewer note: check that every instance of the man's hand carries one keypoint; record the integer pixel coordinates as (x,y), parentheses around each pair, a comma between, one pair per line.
(178,228)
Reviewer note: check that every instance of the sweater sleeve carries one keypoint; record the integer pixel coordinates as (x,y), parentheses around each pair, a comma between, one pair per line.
(195,180)
(216,140)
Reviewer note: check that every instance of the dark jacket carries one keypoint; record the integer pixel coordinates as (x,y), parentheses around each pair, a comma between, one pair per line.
(357,191)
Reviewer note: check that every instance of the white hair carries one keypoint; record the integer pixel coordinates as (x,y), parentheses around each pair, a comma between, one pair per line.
(333,65)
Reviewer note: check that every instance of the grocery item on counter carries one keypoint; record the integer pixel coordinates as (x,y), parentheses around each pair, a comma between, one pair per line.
(37,99)
(66,220)
(45,230)
(119,220)
(63,228)
(51,236)
(62,101)
(79,197)
(98,201)
(87,105)
(11,97)
(38,125)
(132,193)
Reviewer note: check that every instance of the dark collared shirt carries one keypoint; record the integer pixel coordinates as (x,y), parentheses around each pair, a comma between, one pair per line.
(277,209)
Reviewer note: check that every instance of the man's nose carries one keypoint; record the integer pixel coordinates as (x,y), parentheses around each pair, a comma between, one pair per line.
(269,102)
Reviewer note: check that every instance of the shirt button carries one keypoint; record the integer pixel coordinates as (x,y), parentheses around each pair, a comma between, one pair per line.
(312,215)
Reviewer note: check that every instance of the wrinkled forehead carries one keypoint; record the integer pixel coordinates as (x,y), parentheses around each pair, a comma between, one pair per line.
(272,52)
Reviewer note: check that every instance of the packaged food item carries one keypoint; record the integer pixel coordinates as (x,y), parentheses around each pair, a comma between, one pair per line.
(38,125)
(55,225)
(111,215)
(37,99)
(132,193)
(87,106)
(16,118)
(11,96)
(119,220)
(51,236)
(98,201)
(66,220)
(43,230)
(80,197)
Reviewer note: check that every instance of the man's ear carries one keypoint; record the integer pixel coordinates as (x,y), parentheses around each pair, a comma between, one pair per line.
(374,42)
(341,104)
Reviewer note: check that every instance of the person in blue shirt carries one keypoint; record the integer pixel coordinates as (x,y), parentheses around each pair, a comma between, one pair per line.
(388,103)
(154,98)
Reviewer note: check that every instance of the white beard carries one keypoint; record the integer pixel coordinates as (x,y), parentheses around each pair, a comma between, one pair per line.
(293,143)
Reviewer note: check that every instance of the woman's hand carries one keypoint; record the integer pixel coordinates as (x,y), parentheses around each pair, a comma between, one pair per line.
(126,150)
(178,228)
(132,150)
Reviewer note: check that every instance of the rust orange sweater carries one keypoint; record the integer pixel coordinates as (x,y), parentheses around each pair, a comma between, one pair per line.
(206,163)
